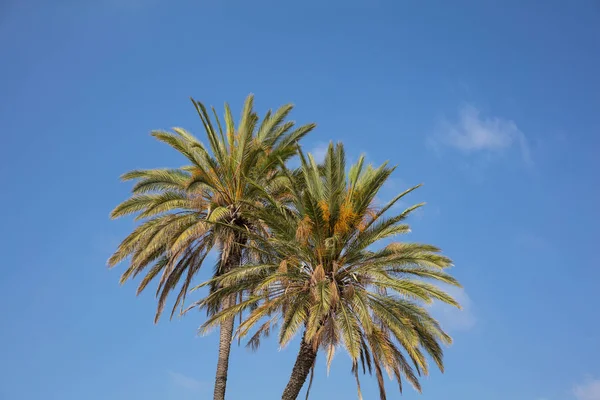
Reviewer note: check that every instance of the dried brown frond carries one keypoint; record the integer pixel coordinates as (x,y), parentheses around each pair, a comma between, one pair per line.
(349,291)
(283,266)
(304,230)
(318,274)
(334,296)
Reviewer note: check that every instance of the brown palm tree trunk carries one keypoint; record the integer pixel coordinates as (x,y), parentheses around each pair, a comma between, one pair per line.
(304,362)
(233,260)
(225,336)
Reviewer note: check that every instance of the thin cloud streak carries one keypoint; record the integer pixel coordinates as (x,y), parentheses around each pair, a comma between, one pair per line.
(319,152)
(451,318)
(473,133)
(588,390)
(185,382)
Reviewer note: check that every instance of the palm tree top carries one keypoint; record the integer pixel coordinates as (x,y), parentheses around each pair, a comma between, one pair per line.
(332,277)
(179,208)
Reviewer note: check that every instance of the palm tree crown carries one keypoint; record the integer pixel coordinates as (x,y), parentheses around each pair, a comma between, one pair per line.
(330,275)
(187,211)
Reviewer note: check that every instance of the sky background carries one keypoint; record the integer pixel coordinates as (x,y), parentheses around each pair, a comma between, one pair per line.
(493,105)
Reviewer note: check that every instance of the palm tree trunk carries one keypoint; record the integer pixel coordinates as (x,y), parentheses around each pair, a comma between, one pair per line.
(233,260)
(304,362)
(224,348)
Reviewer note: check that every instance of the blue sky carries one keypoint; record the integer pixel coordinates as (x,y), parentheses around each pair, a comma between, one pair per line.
(494,108)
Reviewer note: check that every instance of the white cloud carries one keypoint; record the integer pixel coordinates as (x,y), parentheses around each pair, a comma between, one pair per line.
(451,318)
(589,390)
(473,133)
(185,382)
(319,151)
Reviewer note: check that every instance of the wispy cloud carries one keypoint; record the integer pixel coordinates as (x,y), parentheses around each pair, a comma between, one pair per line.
(185,382)
(588,390)
(532,241)
(451,318)
(474,133)
(319,151)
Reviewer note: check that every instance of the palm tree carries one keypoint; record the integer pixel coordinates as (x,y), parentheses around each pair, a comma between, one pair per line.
(188,211)
(333,277)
